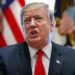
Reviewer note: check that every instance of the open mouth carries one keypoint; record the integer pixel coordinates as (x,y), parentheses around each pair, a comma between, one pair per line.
(33,33)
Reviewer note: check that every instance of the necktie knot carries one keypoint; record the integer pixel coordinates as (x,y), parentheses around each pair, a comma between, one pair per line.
(39,53)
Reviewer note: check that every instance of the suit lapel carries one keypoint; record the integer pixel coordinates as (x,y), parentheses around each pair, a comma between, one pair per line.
(56,61)
(23,60)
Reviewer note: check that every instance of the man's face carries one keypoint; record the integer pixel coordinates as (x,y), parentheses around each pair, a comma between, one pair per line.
(37,25)
(1,21)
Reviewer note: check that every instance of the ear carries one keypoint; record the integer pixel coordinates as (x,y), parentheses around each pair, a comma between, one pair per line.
(52,27)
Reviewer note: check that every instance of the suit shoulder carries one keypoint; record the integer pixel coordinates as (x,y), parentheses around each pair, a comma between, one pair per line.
(6,51)
(63,49)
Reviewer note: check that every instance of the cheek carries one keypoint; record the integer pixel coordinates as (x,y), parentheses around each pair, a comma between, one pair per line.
(45,27)
(45,30)
(26,28)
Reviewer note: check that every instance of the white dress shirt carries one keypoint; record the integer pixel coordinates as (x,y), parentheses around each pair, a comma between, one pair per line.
(45,58)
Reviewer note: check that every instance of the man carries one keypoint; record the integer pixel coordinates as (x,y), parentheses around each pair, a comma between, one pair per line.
(38,55)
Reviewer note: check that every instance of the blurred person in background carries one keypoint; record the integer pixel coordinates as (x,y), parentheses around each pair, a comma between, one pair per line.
(65,20)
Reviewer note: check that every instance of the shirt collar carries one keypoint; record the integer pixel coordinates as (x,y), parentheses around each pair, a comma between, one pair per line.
(47,50)
(32,51)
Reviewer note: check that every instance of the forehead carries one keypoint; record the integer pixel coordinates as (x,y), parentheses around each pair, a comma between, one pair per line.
(36,10)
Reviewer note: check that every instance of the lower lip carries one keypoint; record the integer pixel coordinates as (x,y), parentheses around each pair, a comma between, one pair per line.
(33,35)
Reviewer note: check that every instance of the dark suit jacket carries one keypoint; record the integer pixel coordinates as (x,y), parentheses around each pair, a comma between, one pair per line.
(15,60)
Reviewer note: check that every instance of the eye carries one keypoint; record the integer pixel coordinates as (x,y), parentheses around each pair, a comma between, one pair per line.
(27,20)
(38,18)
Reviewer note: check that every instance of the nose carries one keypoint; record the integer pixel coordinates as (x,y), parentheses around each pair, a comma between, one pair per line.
(33,23)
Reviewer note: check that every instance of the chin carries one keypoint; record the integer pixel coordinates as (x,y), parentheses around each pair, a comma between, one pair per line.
(34,40)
